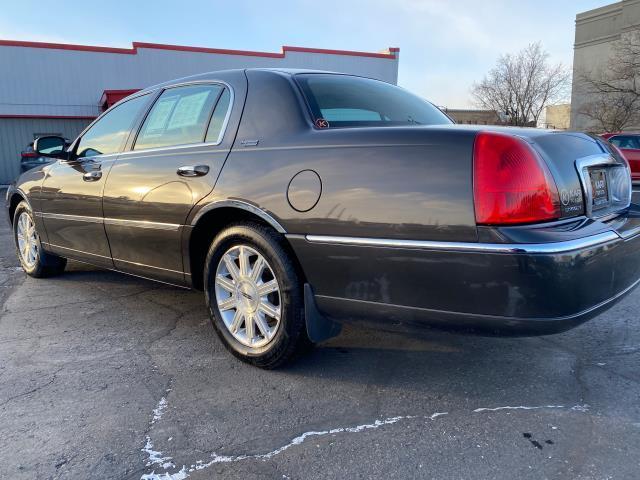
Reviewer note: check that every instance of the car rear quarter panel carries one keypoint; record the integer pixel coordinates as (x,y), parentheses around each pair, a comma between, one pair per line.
(410,183)
(399,183)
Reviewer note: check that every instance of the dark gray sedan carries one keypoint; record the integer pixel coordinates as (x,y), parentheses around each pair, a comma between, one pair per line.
(298,200)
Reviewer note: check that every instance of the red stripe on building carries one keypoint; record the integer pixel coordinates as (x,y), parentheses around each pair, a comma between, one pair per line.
(53,117)
(181,48)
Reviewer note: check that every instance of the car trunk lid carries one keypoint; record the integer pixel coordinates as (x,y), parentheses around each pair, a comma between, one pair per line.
(593,178)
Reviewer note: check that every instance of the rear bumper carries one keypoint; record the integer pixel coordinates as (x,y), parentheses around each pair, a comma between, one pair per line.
(518,289)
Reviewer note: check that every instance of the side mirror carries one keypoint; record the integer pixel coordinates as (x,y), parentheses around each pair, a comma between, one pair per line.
(54,147)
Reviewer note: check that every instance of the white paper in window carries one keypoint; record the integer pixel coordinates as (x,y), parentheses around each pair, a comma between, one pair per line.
(187,111)
(160,114)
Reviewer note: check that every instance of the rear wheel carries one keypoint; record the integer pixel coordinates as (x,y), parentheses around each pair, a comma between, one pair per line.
(254,295)
(33,259)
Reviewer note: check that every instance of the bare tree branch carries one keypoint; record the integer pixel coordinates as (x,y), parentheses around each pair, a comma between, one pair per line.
(521,85)
(614,90)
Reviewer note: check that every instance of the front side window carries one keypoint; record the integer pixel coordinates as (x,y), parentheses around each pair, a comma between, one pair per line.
(179,117)
(347,101)
(109,133)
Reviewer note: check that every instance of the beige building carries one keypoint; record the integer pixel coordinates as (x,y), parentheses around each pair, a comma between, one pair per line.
(475,117)
(557,117)
(596,32)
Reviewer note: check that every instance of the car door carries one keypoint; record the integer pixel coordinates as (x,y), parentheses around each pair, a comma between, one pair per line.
(172,163)
(72,191)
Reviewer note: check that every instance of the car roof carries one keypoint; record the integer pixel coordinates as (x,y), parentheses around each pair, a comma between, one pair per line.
(215,75)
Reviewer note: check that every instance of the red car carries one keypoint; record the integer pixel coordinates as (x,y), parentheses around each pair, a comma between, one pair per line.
(629,145)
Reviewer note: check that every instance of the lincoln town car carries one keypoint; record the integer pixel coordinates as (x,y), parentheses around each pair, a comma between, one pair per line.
(300,200)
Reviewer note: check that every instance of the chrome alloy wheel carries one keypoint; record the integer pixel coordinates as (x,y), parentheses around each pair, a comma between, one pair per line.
(27,240)
(248,296)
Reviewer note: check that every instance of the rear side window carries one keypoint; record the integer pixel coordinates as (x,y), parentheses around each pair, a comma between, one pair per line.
(216,125)
(626,141)
(179,117)
(347,101)
(109,133)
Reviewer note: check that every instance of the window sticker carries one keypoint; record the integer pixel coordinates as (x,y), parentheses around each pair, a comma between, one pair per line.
(159,115)
(187,111)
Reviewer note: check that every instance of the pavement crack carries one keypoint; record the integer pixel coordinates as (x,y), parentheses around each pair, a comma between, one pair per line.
(583,363)
(33,390)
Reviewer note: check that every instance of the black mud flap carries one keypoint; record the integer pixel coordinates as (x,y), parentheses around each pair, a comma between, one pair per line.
(319,327)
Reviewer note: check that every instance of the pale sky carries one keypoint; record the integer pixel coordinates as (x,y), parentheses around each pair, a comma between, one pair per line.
(444,45)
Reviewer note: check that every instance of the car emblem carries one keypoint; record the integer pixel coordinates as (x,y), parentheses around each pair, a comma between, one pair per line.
(322,123)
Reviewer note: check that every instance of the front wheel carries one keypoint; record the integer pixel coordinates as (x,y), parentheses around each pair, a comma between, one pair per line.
(33,259)
(254,295)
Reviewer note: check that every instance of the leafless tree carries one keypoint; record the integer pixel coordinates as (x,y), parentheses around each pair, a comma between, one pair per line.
(614,89)
(521,85)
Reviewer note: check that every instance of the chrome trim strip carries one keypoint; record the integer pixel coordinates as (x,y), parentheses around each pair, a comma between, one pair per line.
(114,221)
(121,222)
(243,206)
(128,153)
(626,235)
(74,250)
(544,248)
(337,146)
(147,266)
(132,274)
(72,218)
(45,244)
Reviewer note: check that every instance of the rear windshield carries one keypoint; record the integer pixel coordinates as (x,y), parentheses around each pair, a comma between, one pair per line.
(346,101)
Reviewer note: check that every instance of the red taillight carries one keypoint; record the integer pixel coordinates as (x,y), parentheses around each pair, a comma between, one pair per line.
(29,154)
(511,183)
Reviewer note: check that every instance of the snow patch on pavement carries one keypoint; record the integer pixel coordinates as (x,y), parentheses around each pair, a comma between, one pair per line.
(215,458)
(436,415)
(580,408)
(158,458)
(495,409)
(575,408)
(181,475)
(159,410)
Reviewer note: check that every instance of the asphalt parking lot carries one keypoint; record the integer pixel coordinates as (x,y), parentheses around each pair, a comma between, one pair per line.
(105,376)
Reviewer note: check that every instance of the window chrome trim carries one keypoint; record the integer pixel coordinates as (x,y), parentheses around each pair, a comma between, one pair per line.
(535,248)
(223,129)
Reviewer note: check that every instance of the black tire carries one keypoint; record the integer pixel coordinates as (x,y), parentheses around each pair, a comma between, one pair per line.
(46,264)
(291,335)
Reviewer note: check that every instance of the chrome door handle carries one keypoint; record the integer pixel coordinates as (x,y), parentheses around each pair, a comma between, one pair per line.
(193,170)
(92,176)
